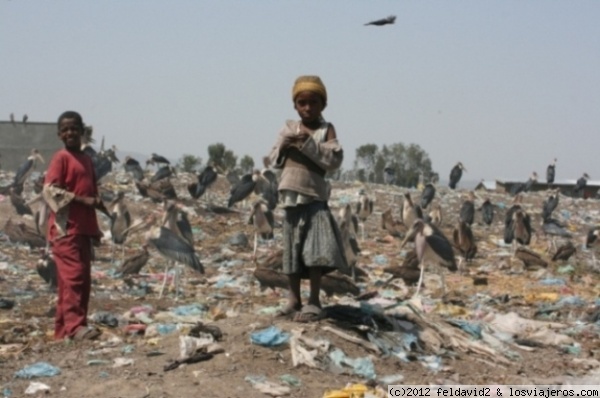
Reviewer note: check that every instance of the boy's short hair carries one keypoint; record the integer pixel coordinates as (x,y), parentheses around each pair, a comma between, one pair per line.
(71,115)
(309,83)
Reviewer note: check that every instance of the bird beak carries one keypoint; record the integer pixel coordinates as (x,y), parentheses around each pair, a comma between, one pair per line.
(136,226)
(409,237)
(40,158)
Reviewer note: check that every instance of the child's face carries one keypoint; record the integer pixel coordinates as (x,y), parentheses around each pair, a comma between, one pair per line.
(309,106)
(69,132)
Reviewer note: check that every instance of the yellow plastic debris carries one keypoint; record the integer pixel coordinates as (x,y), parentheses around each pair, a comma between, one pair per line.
(534,297)
(350,391)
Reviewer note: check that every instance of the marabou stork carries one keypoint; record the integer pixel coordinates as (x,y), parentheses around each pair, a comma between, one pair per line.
(19,204)
(464,241)
(157,159)
(550,205)
(591,240)
(120,221)
(427,195)
(524,186)
(26,169)
(551,173)
(467,210)
(517,225)
(435,215)
(169,244)
(410,212)
(248,184)
(431,246)
(580,185)
(348,224)
(262,219)
(564,252)
(134,264)
(12,119)
(487,212)
(392,226)
(204,181)
(163,173)
(134,168)
(409,270)
(46,268)
(456,174)
(389,176)
(364,208)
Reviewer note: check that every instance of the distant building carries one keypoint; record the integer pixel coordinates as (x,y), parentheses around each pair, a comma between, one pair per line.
(18,139)
(484,185)
(566,187)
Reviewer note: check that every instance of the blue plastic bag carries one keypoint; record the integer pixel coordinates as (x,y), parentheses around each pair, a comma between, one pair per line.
(39,369)
(269,337)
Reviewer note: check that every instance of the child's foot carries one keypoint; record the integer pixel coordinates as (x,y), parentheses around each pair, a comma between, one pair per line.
(309,313)
(289,311)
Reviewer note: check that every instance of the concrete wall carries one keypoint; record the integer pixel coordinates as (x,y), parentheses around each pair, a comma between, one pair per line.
(16,142)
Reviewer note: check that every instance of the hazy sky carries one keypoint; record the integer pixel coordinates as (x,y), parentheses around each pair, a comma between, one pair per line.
(503,86)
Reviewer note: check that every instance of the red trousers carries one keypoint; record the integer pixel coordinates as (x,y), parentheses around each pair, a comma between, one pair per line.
(72,254)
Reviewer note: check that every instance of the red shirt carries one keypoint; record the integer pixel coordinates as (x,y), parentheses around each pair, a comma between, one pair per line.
(74,172)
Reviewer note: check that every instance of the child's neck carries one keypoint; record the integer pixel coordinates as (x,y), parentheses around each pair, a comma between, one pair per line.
(312,125)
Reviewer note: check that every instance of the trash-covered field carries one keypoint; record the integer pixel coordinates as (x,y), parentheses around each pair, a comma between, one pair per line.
(500,320)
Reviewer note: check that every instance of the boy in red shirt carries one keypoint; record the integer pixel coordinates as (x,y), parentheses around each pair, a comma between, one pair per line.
(72,195)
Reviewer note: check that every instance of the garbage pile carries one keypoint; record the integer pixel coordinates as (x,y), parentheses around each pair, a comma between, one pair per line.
(496,320)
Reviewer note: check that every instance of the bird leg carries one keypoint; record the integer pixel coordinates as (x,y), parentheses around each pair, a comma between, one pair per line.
(362,227)
(443,280)
(162,288)
(255,246)
(420,280)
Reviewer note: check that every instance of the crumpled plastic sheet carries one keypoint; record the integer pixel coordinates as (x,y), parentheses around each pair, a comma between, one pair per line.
(38,369)
(269,337)
(191,309)
(538,331)
(552,282)
(472,328)
(360,366)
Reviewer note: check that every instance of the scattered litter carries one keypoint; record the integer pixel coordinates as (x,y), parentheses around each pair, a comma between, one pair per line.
(269,337)
(39,369)
(34,387)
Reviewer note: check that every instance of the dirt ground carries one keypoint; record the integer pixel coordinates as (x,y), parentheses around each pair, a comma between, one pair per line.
(26,330)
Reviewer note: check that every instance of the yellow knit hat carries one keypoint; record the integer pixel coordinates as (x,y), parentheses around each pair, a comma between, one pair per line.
(309,83)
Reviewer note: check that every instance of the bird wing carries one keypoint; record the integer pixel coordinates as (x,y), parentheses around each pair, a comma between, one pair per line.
(441,246)
(175,248)
(241,190)
(22,171)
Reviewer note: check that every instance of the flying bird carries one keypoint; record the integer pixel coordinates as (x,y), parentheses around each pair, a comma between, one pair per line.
(384,21)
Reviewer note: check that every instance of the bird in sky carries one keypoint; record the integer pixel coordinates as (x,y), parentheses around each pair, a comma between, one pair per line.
(384,21)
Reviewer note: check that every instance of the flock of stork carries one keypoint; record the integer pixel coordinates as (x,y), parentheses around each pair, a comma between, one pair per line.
(168,230)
